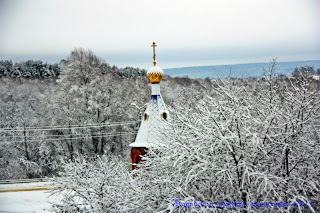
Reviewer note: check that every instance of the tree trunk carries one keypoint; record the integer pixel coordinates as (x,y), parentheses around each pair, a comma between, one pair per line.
(25,144)
(102,145)
(70,146)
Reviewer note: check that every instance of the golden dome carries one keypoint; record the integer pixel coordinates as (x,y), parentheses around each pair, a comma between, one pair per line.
(155,74)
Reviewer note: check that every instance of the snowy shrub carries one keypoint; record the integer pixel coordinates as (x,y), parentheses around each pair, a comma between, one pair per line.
(93,186)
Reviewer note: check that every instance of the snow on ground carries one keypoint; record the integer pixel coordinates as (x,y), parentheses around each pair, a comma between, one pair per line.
(28,201)
(25,201)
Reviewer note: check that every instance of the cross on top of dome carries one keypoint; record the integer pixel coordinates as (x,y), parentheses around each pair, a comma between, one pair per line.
(154,53)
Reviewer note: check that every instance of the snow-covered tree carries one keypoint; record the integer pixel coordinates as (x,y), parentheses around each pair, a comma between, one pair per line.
(247,144)
(303,71)
(242,147)
(98,186)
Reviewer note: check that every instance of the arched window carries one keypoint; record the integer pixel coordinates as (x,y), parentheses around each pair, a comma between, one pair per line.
(164,115)
(146,116)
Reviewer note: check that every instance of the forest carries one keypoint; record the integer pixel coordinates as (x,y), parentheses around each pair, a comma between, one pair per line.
(250,140)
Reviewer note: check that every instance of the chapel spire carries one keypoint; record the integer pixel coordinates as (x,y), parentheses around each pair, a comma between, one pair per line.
(154,118)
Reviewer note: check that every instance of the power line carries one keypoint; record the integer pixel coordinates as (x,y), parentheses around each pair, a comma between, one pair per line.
(73,138)
(63,127)
(47,136)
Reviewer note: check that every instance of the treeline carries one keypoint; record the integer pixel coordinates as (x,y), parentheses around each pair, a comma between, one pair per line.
(29,69)
(130,72)
(41,70)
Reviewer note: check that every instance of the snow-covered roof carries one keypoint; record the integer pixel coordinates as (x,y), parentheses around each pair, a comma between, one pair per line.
(150,132)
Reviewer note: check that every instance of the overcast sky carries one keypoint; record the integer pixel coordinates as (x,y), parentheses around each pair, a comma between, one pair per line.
(187,32)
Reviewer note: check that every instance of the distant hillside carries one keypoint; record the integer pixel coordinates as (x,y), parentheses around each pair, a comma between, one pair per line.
(238,70)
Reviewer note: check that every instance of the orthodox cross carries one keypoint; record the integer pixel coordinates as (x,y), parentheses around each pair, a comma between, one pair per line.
(154,53)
